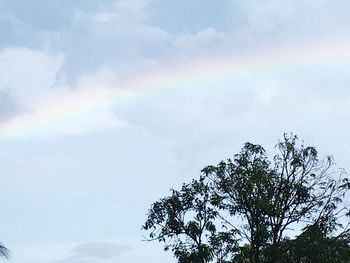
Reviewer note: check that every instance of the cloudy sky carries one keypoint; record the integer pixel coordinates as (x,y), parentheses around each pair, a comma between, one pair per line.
(106,104)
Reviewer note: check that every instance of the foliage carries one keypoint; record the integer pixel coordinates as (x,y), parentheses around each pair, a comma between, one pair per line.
(315,245)
(186,222)
(252,209)
(4,252)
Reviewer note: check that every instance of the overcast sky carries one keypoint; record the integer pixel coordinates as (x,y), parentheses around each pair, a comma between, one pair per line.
(105,105)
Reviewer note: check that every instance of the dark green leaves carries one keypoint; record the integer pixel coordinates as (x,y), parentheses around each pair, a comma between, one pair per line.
(251,209)
(185,221)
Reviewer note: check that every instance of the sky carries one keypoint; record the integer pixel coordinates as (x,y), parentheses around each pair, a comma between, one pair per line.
(106,105)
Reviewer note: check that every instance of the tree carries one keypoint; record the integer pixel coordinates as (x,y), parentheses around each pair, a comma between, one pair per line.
(4,252)
(253,209)
(186,222)
(316,245)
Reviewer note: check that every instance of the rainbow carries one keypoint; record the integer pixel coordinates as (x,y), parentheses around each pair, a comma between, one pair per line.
(72,108)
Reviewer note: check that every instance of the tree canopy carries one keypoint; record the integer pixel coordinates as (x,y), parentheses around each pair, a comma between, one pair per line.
(291,208)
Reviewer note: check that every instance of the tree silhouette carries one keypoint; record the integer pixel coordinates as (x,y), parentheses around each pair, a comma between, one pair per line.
(253,209)
(4,251)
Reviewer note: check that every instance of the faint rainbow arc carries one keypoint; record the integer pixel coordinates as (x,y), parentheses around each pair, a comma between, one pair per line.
(84,101)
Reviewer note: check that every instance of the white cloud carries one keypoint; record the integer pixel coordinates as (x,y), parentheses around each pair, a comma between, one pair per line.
(203,39)
(36,104)
(265,17)
(160,97)
(112,24)
(286,20)
(133,10)
(28,73)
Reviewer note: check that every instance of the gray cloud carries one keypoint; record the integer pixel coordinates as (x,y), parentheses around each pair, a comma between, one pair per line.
(286,20)
(80,184)
(123,33)
(9,105)
(95,251)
